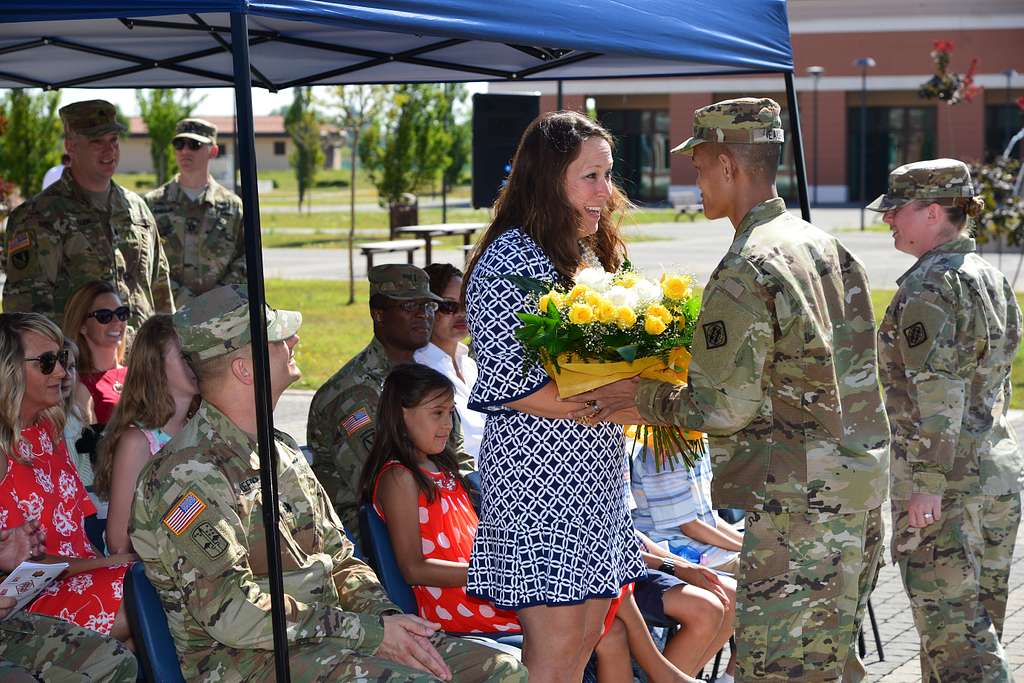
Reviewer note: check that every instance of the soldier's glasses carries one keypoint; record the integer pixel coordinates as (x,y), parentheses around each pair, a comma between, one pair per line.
(105,315)
(417,306)
(449,307)
(48,361)
(182,143)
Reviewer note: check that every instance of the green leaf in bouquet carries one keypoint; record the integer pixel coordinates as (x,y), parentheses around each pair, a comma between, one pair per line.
(692,307)
(527,284)
(530,318)
(627,353)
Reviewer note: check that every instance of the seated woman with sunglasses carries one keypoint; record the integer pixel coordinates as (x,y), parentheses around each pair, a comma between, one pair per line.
(159,395)
(96,320)
(38,480)
(447,354)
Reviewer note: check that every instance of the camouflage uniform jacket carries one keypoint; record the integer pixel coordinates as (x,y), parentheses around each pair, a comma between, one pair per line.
(784,377)
(340,430)
(945,347)
(58,241)
(197,524)
(203,239)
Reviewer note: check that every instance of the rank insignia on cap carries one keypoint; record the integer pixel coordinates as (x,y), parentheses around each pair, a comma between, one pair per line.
(211,541)
(356,421)
(184,512)
(915,334)
(714,334)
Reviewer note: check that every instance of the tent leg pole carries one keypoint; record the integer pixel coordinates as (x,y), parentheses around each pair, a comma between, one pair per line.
(258,328)
(798,147)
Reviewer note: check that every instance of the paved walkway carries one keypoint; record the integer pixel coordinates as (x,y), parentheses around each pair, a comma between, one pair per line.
(892,609)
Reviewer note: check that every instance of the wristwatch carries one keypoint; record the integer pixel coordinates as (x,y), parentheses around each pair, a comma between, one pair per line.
(667,566)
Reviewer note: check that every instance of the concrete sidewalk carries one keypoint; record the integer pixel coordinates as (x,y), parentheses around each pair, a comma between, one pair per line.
(892,608)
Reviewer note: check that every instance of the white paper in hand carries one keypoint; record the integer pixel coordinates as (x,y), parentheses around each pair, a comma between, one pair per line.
(28,580)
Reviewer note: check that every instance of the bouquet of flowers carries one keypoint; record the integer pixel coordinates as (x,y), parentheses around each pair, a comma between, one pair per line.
(613,326)
(945,85)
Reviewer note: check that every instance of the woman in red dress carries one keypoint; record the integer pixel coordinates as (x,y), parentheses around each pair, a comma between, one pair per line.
(96,319)
(39,482)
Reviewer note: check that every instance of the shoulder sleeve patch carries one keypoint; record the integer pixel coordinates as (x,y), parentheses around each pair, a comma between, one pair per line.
(180,517)
(915,334)
(715,334)
(357,421)
(209,540)
(19,241)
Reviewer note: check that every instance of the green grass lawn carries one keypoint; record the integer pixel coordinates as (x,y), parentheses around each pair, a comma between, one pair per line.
(333,332)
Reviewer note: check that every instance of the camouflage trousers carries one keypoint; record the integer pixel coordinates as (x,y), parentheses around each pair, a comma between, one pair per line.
(803,585)
(54,650)
(470,662)
(956,572)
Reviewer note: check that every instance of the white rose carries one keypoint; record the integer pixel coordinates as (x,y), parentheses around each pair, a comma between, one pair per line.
(622,296)
(647,292)
(595,278)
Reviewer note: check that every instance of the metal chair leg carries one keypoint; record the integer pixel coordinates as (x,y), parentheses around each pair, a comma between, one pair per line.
(874,630)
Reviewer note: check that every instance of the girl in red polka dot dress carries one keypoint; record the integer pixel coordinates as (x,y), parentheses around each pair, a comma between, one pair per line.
(413,481)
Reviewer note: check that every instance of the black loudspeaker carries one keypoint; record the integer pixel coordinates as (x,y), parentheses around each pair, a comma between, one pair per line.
(498,123)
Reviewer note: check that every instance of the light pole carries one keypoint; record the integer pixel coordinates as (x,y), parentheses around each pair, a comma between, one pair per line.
(864,63)
(816,71)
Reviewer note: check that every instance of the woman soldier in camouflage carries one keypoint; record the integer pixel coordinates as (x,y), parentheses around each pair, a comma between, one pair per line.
(945,349)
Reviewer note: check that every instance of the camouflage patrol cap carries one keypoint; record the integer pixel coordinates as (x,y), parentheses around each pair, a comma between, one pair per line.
(91,118)
(196,129)
(939,181)
(217,322)
(401,281)
(747,120)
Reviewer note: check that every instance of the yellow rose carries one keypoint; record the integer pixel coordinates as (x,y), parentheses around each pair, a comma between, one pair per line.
(594,298)
(577,293)
(659,311)
(676,287)
(581,314)
(552,297)
(627,280)
(625,317)
(654,325)
(606,312)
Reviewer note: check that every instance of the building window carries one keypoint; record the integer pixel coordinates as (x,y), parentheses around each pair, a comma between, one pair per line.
(279,148)
(896,136)
(222,149)
(1002,121)
(642,159)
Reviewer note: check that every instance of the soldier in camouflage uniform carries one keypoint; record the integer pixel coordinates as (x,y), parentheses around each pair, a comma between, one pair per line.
(340,429)
(784,381)
(85,227)
(198,527)
(47,649)
(199,220)
(946,345)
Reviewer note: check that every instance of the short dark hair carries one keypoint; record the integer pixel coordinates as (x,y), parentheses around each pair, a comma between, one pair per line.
(440,275)
(760,161)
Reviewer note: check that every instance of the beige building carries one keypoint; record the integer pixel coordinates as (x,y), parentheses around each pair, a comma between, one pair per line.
(273,145)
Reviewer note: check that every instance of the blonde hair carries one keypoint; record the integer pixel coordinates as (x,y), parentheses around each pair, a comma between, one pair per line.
(77,311)
(145,401)
(13,326)
(71,406)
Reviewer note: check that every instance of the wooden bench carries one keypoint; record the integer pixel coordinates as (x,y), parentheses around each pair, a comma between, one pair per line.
(685,204)
(370,249)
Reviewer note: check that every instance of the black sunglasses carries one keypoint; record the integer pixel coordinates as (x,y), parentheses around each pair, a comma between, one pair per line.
(417,306)
(449,307)
(105,315)
(48,361)
(181,143)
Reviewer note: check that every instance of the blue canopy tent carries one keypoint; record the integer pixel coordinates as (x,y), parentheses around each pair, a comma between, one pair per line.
(271,44)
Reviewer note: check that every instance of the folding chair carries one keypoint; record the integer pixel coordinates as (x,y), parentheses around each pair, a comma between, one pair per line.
(154,644)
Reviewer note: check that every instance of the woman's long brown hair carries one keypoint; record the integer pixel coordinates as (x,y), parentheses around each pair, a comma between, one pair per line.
(535,200)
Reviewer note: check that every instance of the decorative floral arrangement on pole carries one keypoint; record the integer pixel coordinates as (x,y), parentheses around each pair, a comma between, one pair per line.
(945,85)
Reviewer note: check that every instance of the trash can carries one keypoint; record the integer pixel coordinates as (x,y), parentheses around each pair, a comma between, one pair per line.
(405,211)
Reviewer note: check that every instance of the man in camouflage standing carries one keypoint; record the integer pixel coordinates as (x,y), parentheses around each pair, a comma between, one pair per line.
(784,381)
(946,346)
(340,429)
(199,220)
(86,227)
(197,524)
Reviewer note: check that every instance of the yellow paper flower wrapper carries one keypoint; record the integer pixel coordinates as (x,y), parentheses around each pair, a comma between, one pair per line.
(573,377)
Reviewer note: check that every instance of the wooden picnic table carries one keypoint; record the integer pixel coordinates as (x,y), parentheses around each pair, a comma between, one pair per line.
(429,232)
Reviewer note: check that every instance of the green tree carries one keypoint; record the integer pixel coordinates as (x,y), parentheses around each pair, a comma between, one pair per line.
(303,126)
(31,143)
(410,147)
(161,109)
(460,128)
(355,108)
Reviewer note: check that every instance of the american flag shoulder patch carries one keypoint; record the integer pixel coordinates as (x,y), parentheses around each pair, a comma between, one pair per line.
(356,421)
(20,240)
(184,512)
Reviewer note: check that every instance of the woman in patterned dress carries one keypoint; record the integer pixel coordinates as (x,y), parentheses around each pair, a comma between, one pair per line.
(555,541)
(38,480)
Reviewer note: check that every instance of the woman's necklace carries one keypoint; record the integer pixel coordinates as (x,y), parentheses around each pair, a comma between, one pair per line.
(588,257)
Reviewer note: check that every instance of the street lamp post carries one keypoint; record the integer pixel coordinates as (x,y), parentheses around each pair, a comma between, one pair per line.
(816,71)
(864,63)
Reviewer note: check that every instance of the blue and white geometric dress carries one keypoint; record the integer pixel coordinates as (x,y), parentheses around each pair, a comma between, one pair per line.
(554,526)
